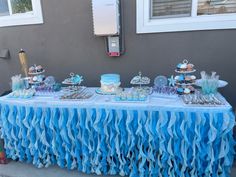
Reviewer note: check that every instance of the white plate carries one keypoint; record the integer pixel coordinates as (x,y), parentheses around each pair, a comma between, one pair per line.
(221,83)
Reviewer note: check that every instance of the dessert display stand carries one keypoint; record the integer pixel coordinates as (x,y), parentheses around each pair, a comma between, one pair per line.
(32,83)
(72,86)
(185,73)
(140,81)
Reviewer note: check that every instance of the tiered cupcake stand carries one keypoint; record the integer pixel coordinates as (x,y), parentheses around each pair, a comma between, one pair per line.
(185,73)
(36,83)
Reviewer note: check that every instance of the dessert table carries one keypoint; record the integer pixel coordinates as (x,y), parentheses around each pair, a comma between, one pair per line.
(158,137)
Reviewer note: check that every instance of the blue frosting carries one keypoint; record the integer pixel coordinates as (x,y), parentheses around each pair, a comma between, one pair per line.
(77,79)
(179,65)
(181,78)
(180,90)
(110,78)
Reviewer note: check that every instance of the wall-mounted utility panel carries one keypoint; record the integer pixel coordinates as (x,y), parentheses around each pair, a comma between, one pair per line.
(106,17)
(113,45)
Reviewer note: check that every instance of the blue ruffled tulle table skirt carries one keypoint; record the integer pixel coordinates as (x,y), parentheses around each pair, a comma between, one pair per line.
(156,142)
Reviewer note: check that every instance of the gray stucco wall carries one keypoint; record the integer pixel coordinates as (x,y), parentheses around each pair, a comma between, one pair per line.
(65,43)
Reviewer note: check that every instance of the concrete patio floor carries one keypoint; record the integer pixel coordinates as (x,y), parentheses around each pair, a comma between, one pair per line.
(17,169)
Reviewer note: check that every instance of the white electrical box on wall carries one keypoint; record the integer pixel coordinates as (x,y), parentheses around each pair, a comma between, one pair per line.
(106,17)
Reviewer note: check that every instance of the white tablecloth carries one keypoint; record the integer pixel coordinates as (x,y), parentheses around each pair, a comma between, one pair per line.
(108,101)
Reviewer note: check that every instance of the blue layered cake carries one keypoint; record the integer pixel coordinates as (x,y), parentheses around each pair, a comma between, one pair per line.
(110,83)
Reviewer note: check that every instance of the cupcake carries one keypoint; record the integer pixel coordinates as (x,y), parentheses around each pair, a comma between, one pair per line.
(180,78)
(31,69)
(179,66)
(180,91)
(35,79)
(193,77)
(190,67)
(39,68)
(182,67)
(187,91)
(191,88)
(190,78)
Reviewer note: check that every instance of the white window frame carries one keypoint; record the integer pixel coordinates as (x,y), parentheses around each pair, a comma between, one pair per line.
(28,18)
(204,22)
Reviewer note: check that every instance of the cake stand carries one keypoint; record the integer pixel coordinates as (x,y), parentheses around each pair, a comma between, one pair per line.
(140,81)
(73,86)
(100,92)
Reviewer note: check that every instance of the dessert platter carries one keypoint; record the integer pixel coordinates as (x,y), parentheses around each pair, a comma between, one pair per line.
(110,84)
(82,94)
(72,89)
(203,99)
(132,95)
